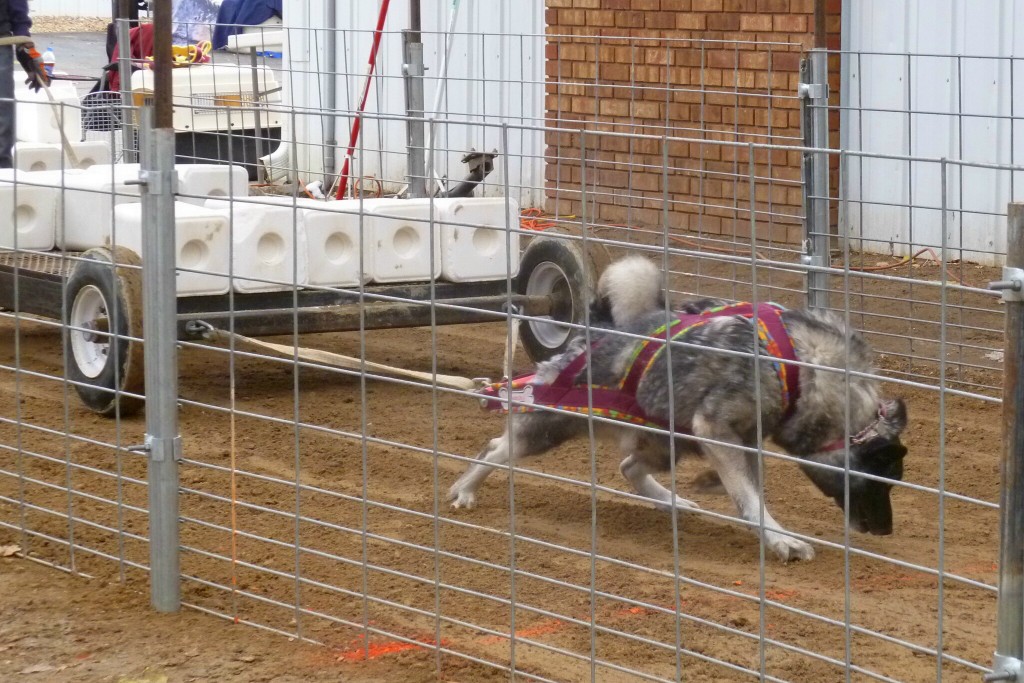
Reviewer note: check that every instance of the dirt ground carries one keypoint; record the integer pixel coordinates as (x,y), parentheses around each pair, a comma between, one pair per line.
(366,468)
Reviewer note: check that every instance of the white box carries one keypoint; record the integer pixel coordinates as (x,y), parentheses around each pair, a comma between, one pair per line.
(85,199)
(88,197)
(476,242)
(266,243)
(202,243)
(332,237)
(197,182)
(405,240)
(39,121)
(28,216)
(37,156)
(91,153)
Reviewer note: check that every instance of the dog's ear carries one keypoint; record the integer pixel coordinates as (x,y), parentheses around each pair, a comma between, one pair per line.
(894,417)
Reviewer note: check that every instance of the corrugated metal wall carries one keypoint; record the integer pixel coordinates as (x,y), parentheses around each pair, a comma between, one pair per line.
(933,78)
(496,75)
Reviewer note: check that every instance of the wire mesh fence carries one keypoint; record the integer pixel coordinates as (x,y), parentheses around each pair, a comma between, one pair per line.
(314,492)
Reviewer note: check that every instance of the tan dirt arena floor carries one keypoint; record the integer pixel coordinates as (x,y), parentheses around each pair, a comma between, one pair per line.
(100,631)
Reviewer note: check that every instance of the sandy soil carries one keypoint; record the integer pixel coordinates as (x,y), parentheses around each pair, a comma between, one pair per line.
(49,24)
(373,556)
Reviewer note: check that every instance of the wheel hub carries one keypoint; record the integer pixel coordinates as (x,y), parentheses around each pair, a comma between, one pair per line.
(89,346)
(549,280)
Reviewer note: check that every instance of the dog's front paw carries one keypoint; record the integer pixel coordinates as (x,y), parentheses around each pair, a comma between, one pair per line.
(461,498)
(682,504)
(788,548)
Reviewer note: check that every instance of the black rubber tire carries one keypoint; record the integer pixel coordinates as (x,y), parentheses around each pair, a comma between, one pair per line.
(556,267)
(103,366)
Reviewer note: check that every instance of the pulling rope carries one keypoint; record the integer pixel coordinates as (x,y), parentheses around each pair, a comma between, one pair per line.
(341,361)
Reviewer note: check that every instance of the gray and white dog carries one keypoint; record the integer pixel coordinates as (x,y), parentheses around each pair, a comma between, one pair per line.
(715,397)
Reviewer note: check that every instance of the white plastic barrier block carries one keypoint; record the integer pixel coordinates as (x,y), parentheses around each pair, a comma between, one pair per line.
(38,120)
(476,240)
(85,200)
(202,243)
(405,240)
(28,215)
(333,237)
(92,153)
(198,182)
(37,156)
(88,198)
(270,252)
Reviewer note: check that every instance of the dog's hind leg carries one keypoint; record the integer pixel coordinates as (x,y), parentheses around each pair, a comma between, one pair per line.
(531,434)
(739,477)
(644,457)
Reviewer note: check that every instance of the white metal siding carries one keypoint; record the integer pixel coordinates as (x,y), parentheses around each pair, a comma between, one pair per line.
(953,105)
(495,76)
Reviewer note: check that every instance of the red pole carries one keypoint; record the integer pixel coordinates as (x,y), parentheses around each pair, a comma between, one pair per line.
(357,124)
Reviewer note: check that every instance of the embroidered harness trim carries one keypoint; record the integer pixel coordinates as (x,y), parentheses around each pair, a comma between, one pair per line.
(620,402)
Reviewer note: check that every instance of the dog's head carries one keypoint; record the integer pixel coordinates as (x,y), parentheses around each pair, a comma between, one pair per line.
(877,452)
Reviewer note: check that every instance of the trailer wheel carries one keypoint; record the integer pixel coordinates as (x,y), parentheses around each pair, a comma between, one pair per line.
(557,268)
(103,361)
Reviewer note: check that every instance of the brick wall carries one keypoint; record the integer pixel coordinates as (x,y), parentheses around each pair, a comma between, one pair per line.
(709,71)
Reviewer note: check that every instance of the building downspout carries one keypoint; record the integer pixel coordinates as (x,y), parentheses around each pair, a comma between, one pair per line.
(331,91)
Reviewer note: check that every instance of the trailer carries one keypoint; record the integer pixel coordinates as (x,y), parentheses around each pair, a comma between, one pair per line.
(96,295)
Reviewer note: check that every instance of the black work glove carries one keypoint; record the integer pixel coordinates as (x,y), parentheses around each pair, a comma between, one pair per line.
(32,62)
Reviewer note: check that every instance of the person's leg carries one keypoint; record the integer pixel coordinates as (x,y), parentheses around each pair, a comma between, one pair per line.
(6,107)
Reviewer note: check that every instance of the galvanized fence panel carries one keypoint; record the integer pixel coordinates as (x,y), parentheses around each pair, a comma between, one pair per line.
(313,498)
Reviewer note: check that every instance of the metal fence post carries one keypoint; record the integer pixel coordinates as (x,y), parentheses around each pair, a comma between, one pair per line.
(412,71)
(160,328)
(813,91)
(1010,626)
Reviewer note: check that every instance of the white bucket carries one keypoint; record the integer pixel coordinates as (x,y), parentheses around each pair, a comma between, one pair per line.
(202,243)
(476,242)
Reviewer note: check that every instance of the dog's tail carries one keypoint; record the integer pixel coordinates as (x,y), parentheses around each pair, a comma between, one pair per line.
(628,290)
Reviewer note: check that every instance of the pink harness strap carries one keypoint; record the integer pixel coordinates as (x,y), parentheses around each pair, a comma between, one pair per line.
(620,402)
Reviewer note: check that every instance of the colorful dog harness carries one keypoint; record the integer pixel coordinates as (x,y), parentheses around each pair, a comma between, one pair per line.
(619,402)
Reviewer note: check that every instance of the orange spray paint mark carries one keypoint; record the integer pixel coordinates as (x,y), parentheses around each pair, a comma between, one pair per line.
(541,629)
(384,648)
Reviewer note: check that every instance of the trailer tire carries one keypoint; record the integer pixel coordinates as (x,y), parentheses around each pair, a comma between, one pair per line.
(557,268)
(105,289)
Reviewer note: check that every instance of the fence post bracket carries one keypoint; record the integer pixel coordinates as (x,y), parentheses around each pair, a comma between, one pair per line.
(1003,669)
(1011,286)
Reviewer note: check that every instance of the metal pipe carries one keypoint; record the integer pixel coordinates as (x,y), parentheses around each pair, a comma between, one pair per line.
(1010,624)
(330,90)
(817,242)
(820,30)
(122,27)
(442,81)
(412,72)
(163,442)
(163,115)
(257,123)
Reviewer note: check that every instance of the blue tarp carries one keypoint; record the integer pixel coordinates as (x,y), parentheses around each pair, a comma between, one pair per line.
(242,13)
